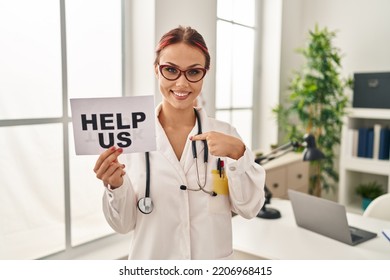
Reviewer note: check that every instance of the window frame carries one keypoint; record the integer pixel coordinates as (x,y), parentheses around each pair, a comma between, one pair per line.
(113,245)
(255,108)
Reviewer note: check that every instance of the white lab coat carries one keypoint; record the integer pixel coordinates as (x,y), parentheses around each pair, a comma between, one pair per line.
(184,224)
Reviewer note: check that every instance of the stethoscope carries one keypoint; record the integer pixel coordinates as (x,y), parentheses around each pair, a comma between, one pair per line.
(145,204)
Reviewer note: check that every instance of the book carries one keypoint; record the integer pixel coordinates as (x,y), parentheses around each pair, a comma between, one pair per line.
(362,142)
(355,142)
(384,143)
(365,135)
(354,136)
(377,131)
(370,144)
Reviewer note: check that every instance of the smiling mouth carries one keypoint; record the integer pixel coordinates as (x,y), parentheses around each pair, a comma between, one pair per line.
(180,94)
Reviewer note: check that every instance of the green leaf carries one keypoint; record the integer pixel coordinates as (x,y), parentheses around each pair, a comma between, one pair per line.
(317,100)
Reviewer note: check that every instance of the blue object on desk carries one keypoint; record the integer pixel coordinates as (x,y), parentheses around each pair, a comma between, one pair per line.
(386,233)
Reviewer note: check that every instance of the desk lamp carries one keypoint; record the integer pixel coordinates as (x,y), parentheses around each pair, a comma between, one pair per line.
(310,153)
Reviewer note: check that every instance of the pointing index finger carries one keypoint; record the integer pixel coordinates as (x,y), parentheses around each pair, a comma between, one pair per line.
(202,136)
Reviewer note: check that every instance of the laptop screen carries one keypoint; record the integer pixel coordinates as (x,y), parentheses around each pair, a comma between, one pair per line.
(323,216)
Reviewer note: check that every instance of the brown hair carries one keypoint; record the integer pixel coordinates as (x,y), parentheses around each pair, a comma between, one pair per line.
(186,35)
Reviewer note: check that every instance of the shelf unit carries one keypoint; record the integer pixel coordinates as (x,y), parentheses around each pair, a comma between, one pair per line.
(355,170)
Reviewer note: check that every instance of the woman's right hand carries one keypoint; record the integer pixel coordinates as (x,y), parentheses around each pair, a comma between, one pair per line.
(109,169)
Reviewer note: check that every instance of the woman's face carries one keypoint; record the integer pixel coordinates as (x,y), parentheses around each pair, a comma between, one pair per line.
(180,93)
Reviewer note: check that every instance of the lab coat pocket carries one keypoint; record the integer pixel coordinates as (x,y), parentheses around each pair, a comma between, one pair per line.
(220,183)
(219,204)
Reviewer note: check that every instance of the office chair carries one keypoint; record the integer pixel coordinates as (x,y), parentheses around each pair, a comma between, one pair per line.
(379,208)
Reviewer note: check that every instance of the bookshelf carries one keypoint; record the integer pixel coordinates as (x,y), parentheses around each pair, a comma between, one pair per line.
(353,169)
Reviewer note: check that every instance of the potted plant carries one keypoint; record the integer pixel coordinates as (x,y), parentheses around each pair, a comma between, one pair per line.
(369,191)
(316,104)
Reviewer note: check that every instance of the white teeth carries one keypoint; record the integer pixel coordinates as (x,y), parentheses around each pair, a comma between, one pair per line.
(181,94)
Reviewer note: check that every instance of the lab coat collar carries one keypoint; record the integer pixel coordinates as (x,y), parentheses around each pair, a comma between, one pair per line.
(165,148)
(187,160)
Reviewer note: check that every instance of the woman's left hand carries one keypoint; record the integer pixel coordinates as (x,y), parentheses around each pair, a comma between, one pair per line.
(222,145)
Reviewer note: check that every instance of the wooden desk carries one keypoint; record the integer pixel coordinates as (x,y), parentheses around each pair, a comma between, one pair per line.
(283,239)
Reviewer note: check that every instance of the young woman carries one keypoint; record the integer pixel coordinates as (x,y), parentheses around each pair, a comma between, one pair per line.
(179,199)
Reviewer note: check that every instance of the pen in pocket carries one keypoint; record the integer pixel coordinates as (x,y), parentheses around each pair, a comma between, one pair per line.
(220,167)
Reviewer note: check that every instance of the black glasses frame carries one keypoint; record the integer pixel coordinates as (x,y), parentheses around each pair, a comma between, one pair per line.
(184,72)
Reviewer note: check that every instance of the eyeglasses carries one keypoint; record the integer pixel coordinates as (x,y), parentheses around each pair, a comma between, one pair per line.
(172,73)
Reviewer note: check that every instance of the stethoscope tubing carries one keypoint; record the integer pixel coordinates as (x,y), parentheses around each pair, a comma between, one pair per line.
(147,163)
(145,204)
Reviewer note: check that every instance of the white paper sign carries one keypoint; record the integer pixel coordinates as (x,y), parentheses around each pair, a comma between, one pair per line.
(126,122)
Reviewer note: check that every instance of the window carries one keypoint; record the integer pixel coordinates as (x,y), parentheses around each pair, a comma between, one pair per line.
(52,51)
(94,70)
(235,64)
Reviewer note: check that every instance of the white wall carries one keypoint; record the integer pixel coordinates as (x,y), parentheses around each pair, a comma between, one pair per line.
(363,36)
(364,30)
(139,31)
(150,19)
(269,85)
(363,33)
(201,15)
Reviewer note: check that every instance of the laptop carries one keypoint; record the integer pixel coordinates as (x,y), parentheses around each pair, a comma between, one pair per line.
(326,217)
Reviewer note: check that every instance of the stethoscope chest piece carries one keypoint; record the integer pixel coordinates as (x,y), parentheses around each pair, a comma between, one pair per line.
(145,205)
